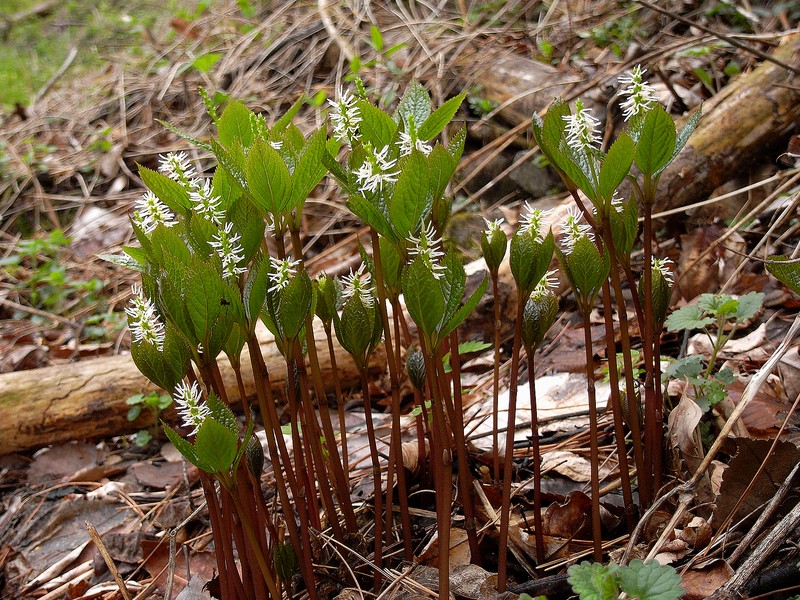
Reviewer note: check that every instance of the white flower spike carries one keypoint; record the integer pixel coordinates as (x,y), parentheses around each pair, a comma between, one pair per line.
(229,250)
(582,128)
(191,406)
(143,322)
(640,94)
(426,246)
(409,141)
(493,227)
(152,212)
(177,167)
(206,204)
(663,265)
(574,230)
(532,220)
(345,116)
(376,171)
(358,284)
(282,272)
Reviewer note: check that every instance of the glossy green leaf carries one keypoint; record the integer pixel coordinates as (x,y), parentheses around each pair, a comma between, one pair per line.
(186,449)
(295,303)
(309,170)
(411,200)
(376,127)
(616,165)
(371,215)
(440,168)
(530,259)
(685,133)
(688,318)
(656,141)
(423,296)
(235,125)
(268,178)
(466,309)
(439,119)
(216,446)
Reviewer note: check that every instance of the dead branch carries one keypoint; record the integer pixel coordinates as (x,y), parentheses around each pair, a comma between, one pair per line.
(87,400)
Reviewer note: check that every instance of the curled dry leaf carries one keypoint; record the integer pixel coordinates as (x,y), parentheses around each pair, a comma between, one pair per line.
(701,582)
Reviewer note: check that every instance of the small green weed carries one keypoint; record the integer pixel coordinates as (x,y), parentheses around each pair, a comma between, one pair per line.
(152,402)
(719,312)
(644,581)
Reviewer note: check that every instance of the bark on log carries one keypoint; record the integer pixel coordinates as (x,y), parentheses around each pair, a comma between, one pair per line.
(86,400)
(753,113)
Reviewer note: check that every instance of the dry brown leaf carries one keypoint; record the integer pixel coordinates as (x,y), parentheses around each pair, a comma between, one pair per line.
(702,582)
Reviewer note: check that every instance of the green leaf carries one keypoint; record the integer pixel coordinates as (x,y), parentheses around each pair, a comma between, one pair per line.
(376,38)
(423,295)
(268,178)
(414,105)
(585,268)
(203,294)
(235,125)
(594,581)
(376,126)
(371,215)
(686,132)
(656,142)
(439,119)
(170,192)
(411,200)
(529,259)
(232,160)
(749,305)
(471,346)
(624,227)
(440,168)
(650,581)
(466,309)
(456,145)
(785,271)
(355,329)
(616,166)
(185,448)
(192,140)
(309,170)
(204,62)
(453,280)
(133,413)
(295,302)
(167,368)
(688,318)
(216,446)
(222,414)
(284,122)
(255,290)
(688,367)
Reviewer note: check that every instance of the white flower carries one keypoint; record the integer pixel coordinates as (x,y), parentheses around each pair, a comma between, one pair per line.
(573,230)
(277,145)
(345,116)
(409,141)
(546,283)
(582,128)
(493,227)
(206,204)
(177,167)
(532,221)
(616,203)
(143,321)
(358,284)
(376,170)
(282,272)
(641,95)
(229,250)
(152,213)
(426,247)
(663,266)
(191,406)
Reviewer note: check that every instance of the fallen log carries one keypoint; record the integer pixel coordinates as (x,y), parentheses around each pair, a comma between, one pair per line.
(87,400)
(755,112)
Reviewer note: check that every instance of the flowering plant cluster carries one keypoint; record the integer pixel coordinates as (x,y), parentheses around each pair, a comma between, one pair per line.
(217,255)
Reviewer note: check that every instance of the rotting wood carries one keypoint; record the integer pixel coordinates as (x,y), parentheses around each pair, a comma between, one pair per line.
(757,111)
(87,400)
